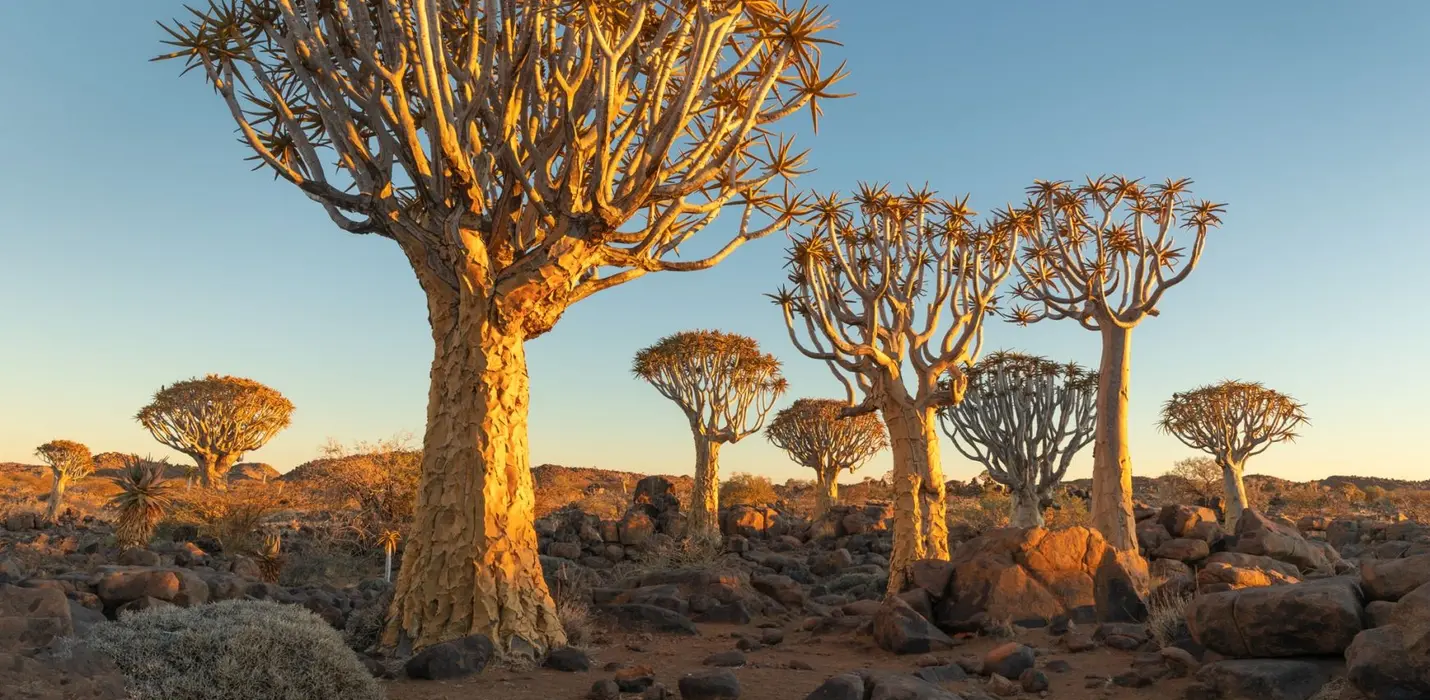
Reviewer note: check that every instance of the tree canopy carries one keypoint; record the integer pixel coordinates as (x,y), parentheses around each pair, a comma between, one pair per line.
(816,434)
(1232,420)
(216,415)
(66,458)
(722,381)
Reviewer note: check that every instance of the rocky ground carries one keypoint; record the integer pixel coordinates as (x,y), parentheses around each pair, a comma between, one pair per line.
(791,608)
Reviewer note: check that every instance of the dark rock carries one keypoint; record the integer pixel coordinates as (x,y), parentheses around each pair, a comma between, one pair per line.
(725,659)
(1379,613)
(636,617)
(945,673)
(1033,681)
(453,659)
(1259,534)
(729,613)
(31,618)
(1265,679)
(1121,580)
(932,575)
(781,588)
(1009,660)
(144,603)
(845,686)
(568,659)
(53,674)
(604,690)
(901,686)
(901,630)
(138,557)
(1183,549)
(1058,666)
(1001,686)
(710,685)
(1180,519)
(1390,579)
(1318,617)
(634,679)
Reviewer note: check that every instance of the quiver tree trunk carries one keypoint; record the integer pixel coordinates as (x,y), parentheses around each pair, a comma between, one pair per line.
(1235,494)
(920,511)
(705,496)
(1111,458)
(213,470)
(471,564)
(826,490)
(57,496)
(1027,507)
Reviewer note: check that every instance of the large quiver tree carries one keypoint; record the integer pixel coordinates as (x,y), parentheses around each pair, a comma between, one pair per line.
(69,461)
(524,155)
(1024,418)
(726,387)
(891,292)
(1103,254)
(1232,421)
(215,421)
(816,435)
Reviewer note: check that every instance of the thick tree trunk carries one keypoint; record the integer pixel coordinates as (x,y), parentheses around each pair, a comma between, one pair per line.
(705,497)
(1111,458)
(826,492)
(1235,494)
(471,564)
(213,470)
(920,511)
(1027,508)
(57,494)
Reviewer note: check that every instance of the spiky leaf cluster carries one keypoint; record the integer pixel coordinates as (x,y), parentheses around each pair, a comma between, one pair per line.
(883,280)
(144,498)
(67,459)
(216,415)
(722,381)
(1232,420)
(489,137)
(816,434)
(1104,252)
(1024,417)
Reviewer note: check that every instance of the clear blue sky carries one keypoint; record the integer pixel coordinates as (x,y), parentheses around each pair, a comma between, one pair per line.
(136,248)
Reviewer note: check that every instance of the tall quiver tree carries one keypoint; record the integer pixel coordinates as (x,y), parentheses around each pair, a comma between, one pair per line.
(215,421)
(524,155)
(1024,418)
(816,435)
(69,461)
(891,292)
(1232,421)
(726,387)
(1103,254)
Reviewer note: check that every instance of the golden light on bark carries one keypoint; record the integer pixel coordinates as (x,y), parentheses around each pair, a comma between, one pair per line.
(725,386)
(1232,421)
(892,287)
(816,435)
(1023,418)
(524,155)
(69,461)
(215,420)
(1103,253)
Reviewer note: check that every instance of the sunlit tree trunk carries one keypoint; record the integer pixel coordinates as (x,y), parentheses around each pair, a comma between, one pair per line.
(1111,456)
(705,496)
(471,564)
(1235,493)
(920,511)
(1027,508)
(826,492)
(57,494)
(213,470)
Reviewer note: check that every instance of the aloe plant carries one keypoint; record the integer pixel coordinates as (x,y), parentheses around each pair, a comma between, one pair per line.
(144,498)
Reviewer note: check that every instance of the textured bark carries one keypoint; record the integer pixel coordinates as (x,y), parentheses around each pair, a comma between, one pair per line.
(1235,494)
(57,494)
(826,492)
(1111,458)
(920,511)
(471,564)
(1027,508)
(705,496)
(213,470)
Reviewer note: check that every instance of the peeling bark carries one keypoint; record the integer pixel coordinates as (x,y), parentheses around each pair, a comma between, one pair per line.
(1027,508)
(471,564)
(57,494)
(1111,456)
(826,492)
(920,509)
(704,520)
(1235,494)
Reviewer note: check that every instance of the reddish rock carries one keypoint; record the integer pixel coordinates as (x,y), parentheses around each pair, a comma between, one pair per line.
(1259,534)
(1183,549)
(31,618)
(1390,579)
(1180,519)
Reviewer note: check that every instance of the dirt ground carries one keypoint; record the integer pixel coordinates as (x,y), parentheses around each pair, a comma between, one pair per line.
(767,675)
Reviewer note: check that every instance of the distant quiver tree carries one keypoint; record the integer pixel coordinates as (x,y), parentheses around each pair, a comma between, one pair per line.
(816,435)
(1232,421)
(69,461)
(1023,418)
(215,421)
(726,387)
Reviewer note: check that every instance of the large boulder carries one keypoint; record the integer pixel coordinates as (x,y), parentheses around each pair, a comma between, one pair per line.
(1392,662)
(1265,679)
(898,628)
(745,521)
(1180,520)
(1258,534)
(1312,618)
(1390,579)
(31,618)
(117,585)
(657,492)
(636,527)
(1226,571)
(451,659)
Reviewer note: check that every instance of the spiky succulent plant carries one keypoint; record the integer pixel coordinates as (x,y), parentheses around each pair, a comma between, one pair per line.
(144,498)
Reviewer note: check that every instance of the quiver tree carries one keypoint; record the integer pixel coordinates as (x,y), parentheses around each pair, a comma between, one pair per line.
(1103,254)
(1024,418)
(215,420)
(726,387)
(891,292)
(69,461)
(524,155)
(817,436)
(1232,421)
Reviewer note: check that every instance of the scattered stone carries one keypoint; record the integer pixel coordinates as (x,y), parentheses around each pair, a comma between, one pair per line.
(635,616)
(452,659)
(1180,661)
(946,673)
(799,665)
(1078,642)
(1009,660)
(634,679)
(138,557)
(1002,686)
(568,659)
(656,691)
(845,686)
(771,637)
(604,690)
(725,659)
(710,685)
(1033,681)
(1058,666)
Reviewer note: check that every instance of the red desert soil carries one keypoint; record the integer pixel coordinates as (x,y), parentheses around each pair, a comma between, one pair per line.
(766,675)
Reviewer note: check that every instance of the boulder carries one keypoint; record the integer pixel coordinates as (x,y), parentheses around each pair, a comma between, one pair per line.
(567,659)
(1225,571)
(1183,549)
(1313,618)
(1151,534)
(1180,519)
(564,550)
(1009,660)
(658,492)
(932,575)
(1341,532)
(1379,613)
(636,527)
(845,686)
(452,659)
(1259,534)
(74,673)
(879,685)
(1265,679)
(710,685)
(31,618)
(636,617)
(1390,579)
(783,589)
(901,630)
(1380,665)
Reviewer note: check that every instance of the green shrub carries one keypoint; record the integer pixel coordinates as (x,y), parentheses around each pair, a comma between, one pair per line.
(233,650)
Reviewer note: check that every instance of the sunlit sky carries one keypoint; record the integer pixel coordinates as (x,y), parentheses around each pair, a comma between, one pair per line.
(137,248)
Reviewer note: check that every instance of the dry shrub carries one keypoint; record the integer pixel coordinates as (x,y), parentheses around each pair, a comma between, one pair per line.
(574,610)
(375,483)
(1338,689)
(982,513)
(747,489)
(233,650)
(232,517)
(321,562)
(1068,511)
(1167,615)
(694,554)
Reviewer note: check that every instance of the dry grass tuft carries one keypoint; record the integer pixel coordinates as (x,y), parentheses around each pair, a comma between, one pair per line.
(1167,616)
(1338,689)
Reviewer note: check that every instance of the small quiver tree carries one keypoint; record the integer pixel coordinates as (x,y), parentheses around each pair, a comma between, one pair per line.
(726,387)
(891,292)
(523,155)
(1232,421)
(1024,418)
(215,420)
(817,436)
(1103,254)
(69,461)
(144,498)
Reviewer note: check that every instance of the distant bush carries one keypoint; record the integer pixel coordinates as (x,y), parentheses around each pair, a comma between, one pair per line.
(747,489)
(1068,511)
(377,482)
(232,517)
(1196,480)
(982,513)
(233,650)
